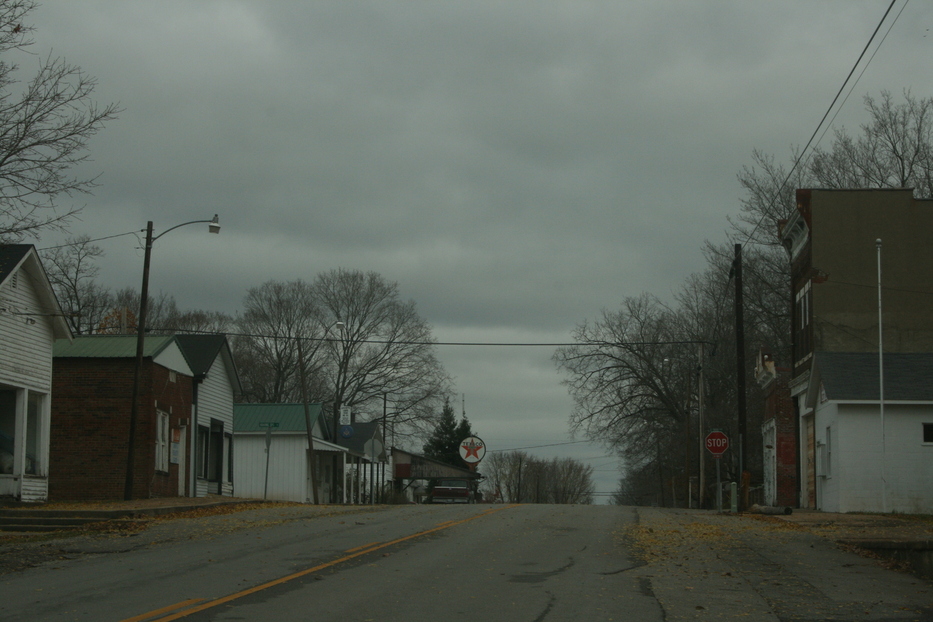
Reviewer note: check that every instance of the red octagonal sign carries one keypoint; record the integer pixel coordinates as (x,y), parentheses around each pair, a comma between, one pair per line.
(717,442)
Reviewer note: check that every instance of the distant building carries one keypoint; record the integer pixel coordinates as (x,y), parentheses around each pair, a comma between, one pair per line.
(284,473)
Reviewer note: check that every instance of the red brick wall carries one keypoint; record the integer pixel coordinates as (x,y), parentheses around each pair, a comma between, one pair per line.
(90,428)
(780,407)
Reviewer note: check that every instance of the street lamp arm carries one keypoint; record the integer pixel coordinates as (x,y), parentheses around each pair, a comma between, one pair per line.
(214,229)
(140,346)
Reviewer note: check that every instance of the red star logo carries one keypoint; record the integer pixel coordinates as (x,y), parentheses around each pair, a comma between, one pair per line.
(472,449)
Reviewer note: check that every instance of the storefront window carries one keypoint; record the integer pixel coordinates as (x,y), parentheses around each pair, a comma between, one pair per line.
(7,430)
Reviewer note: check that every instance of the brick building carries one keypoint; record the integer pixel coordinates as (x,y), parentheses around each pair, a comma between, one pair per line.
(93,383)
(778,433)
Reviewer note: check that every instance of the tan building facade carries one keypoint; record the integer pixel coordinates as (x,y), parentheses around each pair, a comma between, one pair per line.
(833,242)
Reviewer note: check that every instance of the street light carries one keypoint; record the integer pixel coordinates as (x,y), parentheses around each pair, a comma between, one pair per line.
(213,227)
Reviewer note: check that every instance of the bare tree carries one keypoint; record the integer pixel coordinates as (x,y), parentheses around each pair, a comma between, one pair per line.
(364,345)
(634,378)
(893,150)
(572,481)
(275,315)
(383,347)
(72,270)
(162,316)
(201,321)
(619,375)
(45,124)
(161,312)
(516,477)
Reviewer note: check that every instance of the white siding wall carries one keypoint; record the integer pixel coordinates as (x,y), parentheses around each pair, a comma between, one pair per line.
(26,363)
(854,484)
(34,489)
(215,401)
(172,358)
(828,481)
(288,476)
(26,348)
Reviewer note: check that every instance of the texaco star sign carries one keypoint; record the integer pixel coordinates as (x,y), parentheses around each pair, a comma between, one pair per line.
(472,449)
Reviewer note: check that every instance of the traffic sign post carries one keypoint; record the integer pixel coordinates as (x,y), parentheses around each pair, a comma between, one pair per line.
(268,426)
(717,443)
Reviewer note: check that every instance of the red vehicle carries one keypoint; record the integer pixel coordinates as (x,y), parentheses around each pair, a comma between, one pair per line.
(451,491)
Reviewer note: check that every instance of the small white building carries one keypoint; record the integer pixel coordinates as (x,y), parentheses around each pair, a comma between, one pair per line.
(30,322)
(215,385)
(860,463)
(284,473)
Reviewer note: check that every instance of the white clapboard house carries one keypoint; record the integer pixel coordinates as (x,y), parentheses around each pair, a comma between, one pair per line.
(30,322)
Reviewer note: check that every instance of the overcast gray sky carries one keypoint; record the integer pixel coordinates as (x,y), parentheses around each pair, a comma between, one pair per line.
(516,167)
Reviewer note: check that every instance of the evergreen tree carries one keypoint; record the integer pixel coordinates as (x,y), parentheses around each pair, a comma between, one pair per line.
(444,443)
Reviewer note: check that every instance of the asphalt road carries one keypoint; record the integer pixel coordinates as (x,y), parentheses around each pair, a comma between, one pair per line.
(427,563)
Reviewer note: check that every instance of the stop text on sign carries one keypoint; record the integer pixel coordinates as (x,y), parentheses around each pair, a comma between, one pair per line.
(717,442)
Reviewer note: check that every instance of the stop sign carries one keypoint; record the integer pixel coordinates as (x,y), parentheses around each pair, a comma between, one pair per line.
(717,442)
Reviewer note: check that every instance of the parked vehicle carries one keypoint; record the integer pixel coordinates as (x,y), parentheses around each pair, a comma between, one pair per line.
(451,491)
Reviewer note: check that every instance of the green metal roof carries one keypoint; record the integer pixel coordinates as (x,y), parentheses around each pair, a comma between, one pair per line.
(290,417)
(109,346)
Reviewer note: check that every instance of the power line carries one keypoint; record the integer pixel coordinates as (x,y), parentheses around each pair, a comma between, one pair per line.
(500,344)
(78,243)
(538,446)
(780,189)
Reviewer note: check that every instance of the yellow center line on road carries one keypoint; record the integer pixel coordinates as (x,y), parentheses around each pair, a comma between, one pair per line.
(357,553)
(151,614)
(360,548)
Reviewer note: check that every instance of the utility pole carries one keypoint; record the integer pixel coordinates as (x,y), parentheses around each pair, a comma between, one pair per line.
(309,426)
(740,369)
(700,432)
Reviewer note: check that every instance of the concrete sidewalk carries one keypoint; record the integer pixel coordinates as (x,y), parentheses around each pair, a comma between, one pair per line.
(143,507)
(894,527)
(28,518)
(703,565)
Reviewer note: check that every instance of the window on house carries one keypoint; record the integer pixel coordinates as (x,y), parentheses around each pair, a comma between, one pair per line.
(928,432)
(162,442)
(7,430)
(215,461)
(828,453)
(204,434)
(803,317)
(32,433)
(228,442)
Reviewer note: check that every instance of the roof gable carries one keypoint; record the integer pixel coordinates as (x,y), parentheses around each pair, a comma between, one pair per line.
(363,433)
(23,258)
(202,352)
